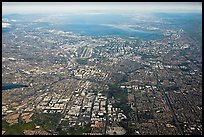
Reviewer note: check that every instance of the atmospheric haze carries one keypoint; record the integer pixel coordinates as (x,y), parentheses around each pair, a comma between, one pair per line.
(99,7)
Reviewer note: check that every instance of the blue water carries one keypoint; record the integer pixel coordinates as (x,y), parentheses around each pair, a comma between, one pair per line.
(102,30)
(11,86)
(93,25)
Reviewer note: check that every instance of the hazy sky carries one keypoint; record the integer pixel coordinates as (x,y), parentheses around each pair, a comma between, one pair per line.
(61,7)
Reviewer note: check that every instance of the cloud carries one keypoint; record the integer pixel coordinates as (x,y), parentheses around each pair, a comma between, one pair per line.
(6,25)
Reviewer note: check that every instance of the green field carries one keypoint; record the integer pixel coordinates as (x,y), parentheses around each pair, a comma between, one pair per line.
(17,129)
